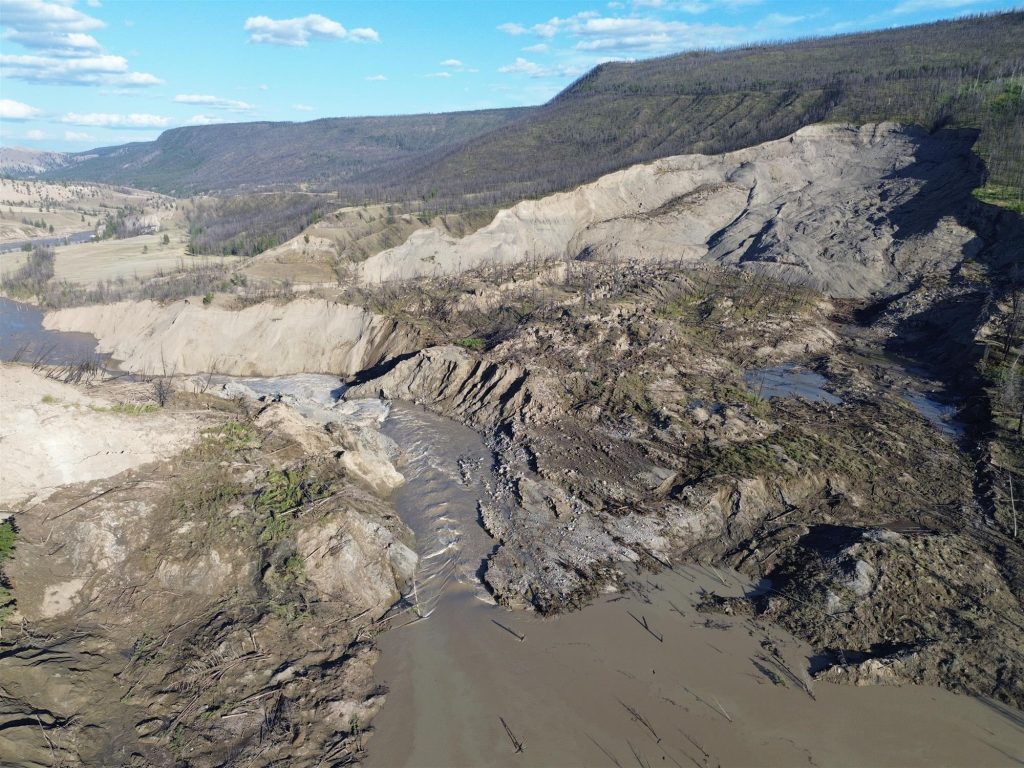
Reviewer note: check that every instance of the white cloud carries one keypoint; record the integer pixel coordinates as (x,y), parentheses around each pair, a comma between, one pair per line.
(16,110)
(204,120)
(107,120)
(377,78)
(65,50)
(650,35)
(538,48)
(63,44)
(93,3)
(264,87)
(300,30)
(914,6)
(523,66)
(78,136)
(774,20)
(35,135)
(39,17)
(105,69)
(513,29)
(216,102)
(303,107)
(608,34)
(439,74)
(694,6)
(452,63)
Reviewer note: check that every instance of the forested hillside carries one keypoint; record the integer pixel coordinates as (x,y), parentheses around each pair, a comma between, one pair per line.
(184,161)
(963,73)
(967,72)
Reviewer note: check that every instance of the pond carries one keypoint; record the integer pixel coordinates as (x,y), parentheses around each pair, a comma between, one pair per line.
(790,380)
(22,337)
(940,414)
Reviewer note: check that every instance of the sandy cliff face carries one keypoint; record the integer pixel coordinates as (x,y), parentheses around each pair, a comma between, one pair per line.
(264,340)
(851,211)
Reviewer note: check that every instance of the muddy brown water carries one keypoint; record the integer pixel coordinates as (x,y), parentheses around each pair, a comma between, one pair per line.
(598,687)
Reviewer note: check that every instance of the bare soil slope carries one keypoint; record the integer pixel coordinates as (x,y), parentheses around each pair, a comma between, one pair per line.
(849,211)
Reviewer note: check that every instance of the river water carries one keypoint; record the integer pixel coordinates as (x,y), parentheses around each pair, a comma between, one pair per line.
(23,337)
(74,237)
(639,678)
(598,688)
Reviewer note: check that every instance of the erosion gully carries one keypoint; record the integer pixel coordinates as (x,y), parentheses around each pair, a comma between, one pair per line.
(639,677)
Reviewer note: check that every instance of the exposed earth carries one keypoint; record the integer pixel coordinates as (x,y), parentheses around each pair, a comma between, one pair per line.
(794,366)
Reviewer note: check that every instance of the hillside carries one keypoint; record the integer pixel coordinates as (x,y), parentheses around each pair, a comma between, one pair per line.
(962,73)
(184,161)
(21,161)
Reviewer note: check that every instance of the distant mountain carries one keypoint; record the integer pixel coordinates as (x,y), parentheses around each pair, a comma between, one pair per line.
(184,161)
(21,161)
(965,73)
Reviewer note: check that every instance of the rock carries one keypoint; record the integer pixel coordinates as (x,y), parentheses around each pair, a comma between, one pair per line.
(348,556)
(456,383)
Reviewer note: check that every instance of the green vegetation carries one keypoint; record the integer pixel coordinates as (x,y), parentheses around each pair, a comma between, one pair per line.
(472,342)
(126,409)
(222,442)
(32,277)
(963,73)
(283,492)
(1002,195)
(249,224)
(209,486)
(206,492)
(186,161)
(126,222)
(7,603)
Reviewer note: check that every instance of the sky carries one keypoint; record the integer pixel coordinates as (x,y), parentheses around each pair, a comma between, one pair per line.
(77,74)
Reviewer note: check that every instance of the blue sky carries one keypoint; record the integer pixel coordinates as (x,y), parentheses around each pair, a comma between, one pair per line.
(88,73)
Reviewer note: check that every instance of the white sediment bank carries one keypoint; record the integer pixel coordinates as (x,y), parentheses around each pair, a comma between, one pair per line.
(267,339)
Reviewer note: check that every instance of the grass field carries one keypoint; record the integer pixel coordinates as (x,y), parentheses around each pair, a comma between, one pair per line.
(134,257)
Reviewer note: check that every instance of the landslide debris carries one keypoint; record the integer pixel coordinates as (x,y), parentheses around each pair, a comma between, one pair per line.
(622,407)
(213,608)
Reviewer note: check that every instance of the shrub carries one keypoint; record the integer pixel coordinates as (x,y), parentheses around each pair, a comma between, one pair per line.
(283,492)
(471,342)
(7,603)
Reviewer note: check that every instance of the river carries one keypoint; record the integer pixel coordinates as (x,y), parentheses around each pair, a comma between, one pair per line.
(22,337)
(74,237)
